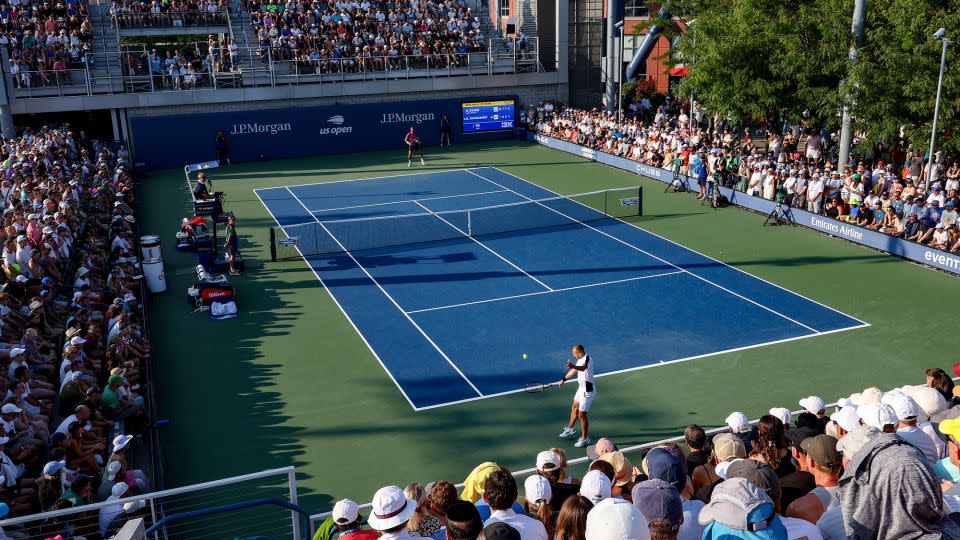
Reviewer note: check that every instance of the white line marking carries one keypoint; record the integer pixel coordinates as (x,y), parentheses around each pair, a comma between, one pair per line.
(410,173)
(345,314)
(407,201)
(634,225)
(626,370)
(538,293)
(624,242)
(488,248)
(394,302)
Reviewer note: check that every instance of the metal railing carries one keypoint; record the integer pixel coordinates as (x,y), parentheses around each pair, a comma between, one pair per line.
(260,67)
(47,83)
(246,520)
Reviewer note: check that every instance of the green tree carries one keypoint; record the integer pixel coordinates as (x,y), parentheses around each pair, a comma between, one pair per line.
(895,82)
(752,59)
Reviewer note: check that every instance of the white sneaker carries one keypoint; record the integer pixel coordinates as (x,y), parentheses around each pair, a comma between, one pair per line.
(582,441)
(567,432)
(421,161)
(409,163)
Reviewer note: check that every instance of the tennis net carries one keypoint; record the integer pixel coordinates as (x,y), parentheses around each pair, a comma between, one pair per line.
(339,236)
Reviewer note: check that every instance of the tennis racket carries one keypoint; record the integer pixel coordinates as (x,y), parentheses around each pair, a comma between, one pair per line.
(534,387)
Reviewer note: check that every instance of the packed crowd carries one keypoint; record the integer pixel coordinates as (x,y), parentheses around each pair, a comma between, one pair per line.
(795,166)
(72,353)
(175,13)
(882,465)
(364,35)
(46,40)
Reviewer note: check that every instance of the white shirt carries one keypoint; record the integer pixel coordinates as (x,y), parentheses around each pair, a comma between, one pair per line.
(800,529)
(918,438)
(585,376)
(529,528)
(65,425)
(691,528)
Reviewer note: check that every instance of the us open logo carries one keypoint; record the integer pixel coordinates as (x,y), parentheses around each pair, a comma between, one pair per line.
(290,241)
(335,120)
(630,201)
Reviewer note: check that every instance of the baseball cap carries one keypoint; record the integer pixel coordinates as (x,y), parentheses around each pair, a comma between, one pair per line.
(847,418)
(603,446)
(10,408)
(739,509)
(852,442)
(783,414)
(822,449)
(667,466)
(904,406)
(951,427)
(928,399)
(738,422)
(345,511)
(500,531)
(16,351)
(758,473)
(877,415)
(595,486)
(53,467)
(659,501)
(616,519)
(548,461)
(119,489)
(537,488)
(727,446)
(813,404)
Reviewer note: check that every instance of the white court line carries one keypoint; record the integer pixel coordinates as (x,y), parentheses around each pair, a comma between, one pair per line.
(408,201)
(634,225)
(345,314)
(662,363)
(814,330)
(394,302)
(538,293)
(484,246)
(410,173)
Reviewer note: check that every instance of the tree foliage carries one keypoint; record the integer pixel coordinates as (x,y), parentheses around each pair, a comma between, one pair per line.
(768,59)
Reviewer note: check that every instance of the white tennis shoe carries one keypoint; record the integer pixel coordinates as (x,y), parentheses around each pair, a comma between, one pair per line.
(582,441)
(567,432)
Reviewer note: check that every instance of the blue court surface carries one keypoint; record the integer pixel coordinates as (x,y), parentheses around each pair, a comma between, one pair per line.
(450,319)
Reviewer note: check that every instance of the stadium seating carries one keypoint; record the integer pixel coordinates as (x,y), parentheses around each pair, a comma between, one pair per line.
(73,353)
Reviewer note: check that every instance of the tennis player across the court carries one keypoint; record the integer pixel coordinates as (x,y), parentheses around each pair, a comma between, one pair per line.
(413,145)
(586,391)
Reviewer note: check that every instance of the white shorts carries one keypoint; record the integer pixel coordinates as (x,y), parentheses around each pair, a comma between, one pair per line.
(584,400)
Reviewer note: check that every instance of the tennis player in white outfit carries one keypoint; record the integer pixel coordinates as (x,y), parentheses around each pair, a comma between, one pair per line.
(586,391)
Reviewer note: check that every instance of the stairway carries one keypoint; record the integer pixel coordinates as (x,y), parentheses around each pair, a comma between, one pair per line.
(107,71)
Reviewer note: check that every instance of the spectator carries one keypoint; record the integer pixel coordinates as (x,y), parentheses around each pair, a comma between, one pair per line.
(421,523)
(441,494)
(616,519)
(391,511)
(551,465)
(771,446)
(764,477)
(696,439)
(499,531)
(537,495)
(500,491)
(662,464)
(572,520)
(907,412)
(596,486)
(740,509)
(888,469)
(824,462)
(660,503)
(463,521)
(727,447)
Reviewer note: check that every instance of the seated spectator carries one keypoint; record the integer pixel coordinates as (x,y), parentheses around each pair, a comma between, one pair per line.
(596,485)
(764,477)
(537,495)
(660,503)
(463,521)
(824,462)
(727,447)
(696,440)
(616,519)
(741,510)
(390,512)
(500,491)
(422,522)
(572,519)
(663,464)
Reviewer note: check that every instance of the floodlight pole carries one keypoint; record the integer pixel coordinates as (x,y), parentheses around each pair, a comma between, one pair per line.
(846,135)
(936,110)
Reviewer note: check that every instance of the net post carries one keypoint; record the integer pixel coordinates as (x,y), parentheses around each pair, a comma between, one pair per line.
(639,200)
(273,244)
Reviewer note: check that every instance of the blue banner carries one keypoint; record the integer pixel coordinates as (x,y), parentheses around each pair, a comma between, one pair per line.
(264,134)
(919,253)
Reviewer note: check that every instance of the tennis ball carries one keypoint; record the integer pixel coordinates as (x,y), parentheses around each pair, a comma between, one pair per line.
(524,356)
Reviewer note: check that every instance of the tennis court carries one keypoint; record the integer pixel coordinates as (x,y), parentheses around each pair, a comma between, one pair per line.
(450,277)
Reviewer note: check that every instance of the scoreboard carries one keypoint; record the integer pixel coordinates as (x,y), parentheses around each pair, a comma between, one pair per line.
(485,116)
